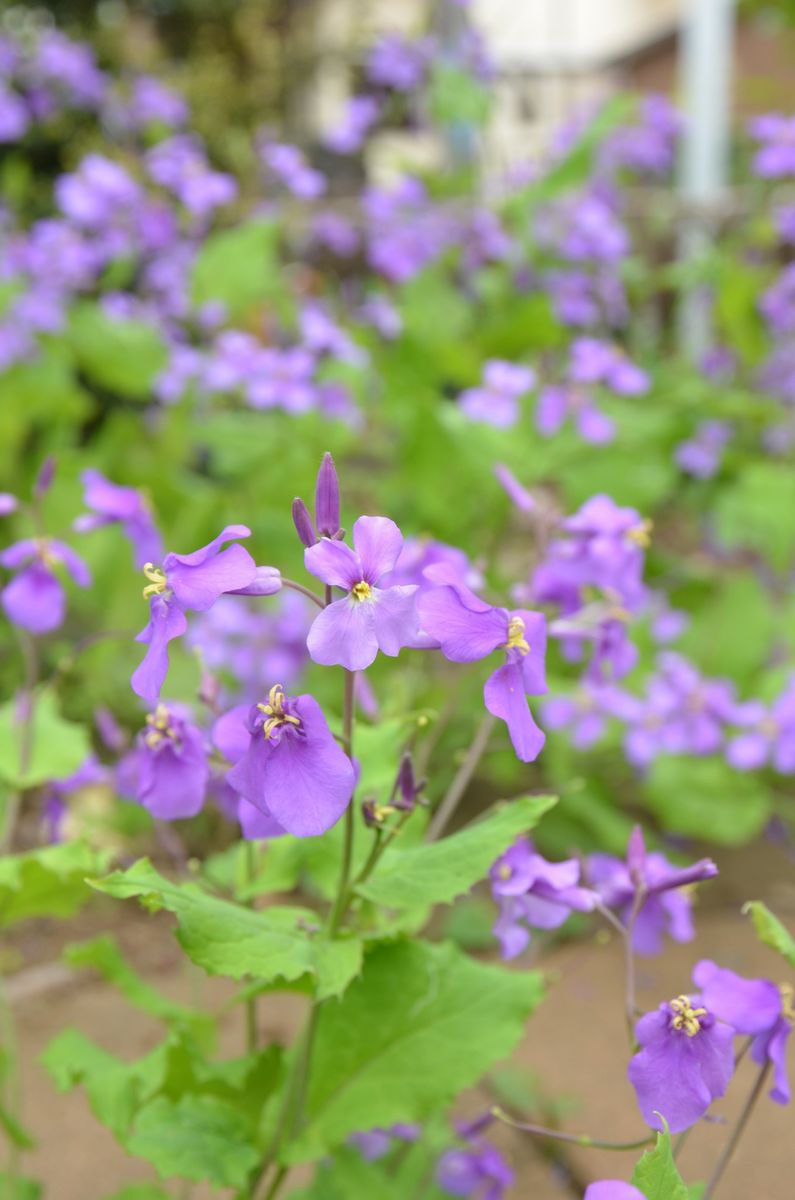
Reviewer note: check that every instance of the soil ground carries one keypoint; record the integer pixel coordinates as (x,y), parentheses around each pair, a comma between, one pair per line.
(575,1044)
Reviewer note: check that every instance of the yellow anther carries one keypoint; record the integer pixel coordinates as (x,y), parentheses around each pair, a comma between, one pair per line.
(787,996)
(45,553)
(157,581)
(505,872)
(687,1017)
(516,638)
(274,711)
(160,727)
(361,590)
(641,534)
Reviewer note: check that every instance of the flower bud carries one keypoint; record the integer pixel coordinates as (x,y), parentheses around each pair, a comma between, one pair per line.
(303,523)
(327,498)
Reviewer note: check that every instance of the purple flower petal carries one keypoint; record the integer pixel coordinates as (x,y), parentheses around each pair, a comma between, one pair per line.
(504,696)
(395,618)
(335,563)
(35,600)
(378,543)
(612,1189)
(343,634)
(750,1006)
(166,622)
(198,586)
(465,633)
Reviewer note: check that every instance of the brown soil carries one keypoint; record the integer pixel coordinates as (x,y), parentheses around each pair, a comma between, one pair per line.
(575,1044)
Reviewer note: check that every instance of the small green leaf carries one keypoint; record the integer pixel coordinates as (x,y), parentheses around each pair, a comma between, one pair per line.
(420,1024)
(19,1187)
(58,748)
(227,939)
(123,356)
(48,882)
(656,1174)
(198,1137)
(691,795)
(237,267)
(438,872)
(771,931)
(15,1133)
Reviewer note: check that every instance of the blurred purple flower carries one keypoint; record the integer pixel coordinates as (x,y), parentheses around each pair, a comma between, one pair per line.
(126,506)
(775,155)
(496,401)
(167,771)
(35,599)
(534,894)
(360,115)
(701,455)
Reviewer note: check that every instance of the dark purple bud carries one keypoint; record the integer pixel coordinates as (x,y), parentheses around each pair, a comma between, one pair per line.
(109,730)
(45,477)
(372,819)
(407,785)
(303,523)
(327,498)
(682,876)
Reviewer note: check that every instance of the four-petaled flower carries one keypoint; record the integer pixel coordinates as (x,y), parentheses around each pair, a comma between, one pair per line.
(35,599)
(167,771)
(350,632)
(111,503)
(534,893)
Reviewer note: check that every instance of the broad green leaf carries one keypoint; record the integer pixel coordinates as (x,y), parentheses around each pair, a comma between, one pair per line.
(758,513)
(771,931)
(656,1174)
(691,795)
(59,747)
(438,872)
(348,1175)
(226,939)
(50,882)
(420,1024)
(198,1137)
(237,267)
(123,356)
(103,954)
(19,1188)
(739,602)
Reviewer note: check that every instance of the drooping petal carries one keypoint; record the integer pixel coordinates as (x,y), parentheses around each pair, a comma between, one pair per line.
(19,553)
(231,733)
(395,618)
(505,698)
(534,676)
(255,823)
(750,1006)
(166,622)
(773,1046)
(335,563)
(34,599)
(465,635)
(267,582)
(343,634)
(173,783)
(198,587)
(378,543)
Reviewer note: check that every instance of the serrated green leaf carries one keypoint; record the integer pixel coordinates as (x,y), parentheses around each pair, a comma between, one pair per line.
(226,939)
(771,931)
(198,1137)
(656,1174)
(58,747)
(123,356)
(47,882)
(348,1175)
(420,1024)
(438,872)
(237,267)
(102,953)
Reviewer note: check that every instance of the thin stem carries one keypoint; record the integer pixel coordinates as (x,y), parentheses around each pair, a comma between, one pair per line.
(462,779)
(737,1132)
(343,890)
(31,674)
(251,1001)
(576,1139)
(631,1008)
(305,591)
(275,1186)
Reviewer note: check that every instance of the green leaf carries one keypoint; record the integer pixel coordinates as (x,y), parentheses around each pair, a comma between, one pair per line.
(49,882)
(103,954)
(237,267)
(348,1175)
(59,747)
(227,939)
(140,1191)
(15,1133)
(770,930)
(656,1174)
(20,1187)
(123,356)
(738,602)
(420,1024)
(759,513)
(198,1137)
(438,872)
(691,795)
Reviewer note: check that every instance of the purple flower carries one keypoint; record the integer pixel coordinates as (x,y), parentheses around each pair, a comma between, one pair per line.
(534,893)
(685,1062)
(231,735)
(612,1189)
(478,1172)
(154,103)
(189,582)
(559,402)
(651,887)
(594,361)
(180,165)
(775,157)
(648,147)
(351,631)
(293,770)
(394,62)
(701,455)
(336,233)
(125,505)
(283,379)
(375,1143)
(35,599)
(756,1008)
(768,734)
(167,771)
(496,401)
(14,115)
(360,114)
(289,166)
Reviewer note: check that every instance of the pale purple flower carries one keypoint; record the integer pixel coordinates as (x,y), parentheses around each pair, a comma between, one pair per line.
(768,734)
(232,736)
(283,379)
(496,400)
(96,192)
(336,233)
(293,770)
(15,115)
(126,506)
(558,403)
(375,1143)
(290,167)
(360,115)
(180,164)
(612,1189)
(516,492)
(35,599)
(151,102)
(534,894)
(648,147)
(777,303)
(478,1172)
(701,455)
(775,135)
(350,632)
(167,771)
(595,361)
(397,63)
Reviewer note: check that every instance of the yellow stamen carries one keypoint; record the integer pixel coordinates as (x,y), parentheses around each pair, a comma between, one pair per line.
(160,727)
(687,1017)
(505,872)
(274,711)
(157,581)
(361,590)
(516,638)
(641,534)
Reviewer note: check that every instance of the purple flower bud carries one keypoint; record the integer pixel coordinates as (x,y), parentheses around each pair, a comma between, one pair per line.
(327,498)
(303,523)
(407,785)
(45,477)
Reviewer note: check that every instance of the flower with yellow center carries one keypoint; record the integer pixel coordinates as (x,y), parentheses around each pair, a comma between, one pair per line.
(687,1017)
(361,590)
(641,534)
(160,728)
(157,581)
(516,638)
(274,710)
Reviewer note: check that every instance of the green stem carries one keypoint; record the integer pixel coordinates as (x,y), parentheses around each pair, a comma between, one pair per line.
(343,889)
(576,1139)
(251,1001)
(275,1186)
(462,779)
(31,675)
(737,1132)
(305,591)
(631,1008)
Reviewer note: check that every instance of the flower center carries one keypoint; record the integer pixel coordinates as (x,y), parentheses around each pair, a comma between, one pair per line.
(361,590)
(157,581)
(641,534)
(160,728)
(516,638)
(46,555)
(504,872)
(275,712)
(687,1017)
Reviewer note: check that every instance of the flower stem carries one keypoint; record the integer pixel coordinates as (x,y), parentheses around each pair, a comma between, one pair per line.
(629,952)
(576,1139)
(343,891)
(250,851)
(737,1132)
(462,779)
(305,591)
(14,798)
